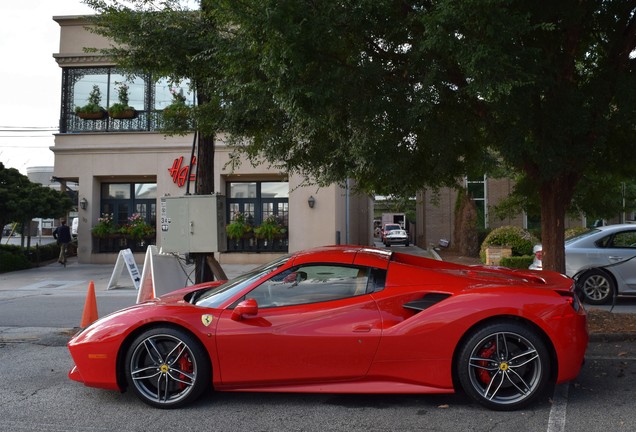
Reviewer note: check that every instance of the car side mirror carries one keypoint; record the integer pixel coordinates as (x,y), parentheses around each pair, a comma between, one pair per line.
(245,309)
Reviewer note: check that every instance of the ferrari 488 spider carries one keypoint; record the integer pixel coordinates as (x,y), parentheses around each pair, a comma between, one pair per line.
(345,319)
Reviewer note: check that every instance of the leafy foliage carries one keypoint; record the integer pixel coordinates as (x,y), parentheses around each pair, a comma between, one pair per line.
(518,239)
(519,262)
(121,106)
(239,227)
(270,228)
(94,101)
(137,228)
(430,90)
(14,258)
(105,226)
(22,200)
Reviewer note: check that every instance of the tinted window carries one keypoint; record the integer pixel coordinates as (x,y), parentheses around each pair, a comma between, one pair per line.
(311,284)
(625,239)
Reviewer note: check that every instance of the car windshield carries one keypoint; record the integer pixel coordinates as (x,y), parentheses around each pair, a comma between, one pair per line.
(218,295)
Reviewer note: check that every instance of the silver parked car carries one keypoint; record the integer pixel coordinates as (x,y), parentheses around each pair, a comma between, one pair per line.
(604,259)
(396,236)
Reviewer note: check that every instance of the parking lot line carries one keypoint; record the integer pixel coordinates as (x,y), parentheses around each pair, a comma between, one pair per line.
(556,421)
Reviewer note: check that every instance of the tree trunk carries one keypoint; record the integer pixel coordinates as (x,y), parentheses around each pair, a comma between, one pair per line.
(555,195)
(207,267)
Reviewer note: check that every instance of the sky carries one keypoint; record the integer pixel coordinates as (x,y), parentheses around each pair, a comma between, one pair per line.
(30,79)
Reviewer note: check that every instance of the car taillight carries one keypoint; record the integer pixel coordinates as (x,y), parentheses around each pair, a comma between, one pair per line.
(572,299)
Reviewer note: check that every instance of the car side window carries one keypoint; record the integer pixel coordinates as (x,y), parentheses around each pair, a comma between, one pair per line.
(624,239)
(311,284)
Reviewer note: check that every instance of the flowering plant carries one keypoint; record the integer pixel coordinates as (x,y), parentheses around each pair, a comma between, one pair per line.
(105,226)
(177,96)
(137,228)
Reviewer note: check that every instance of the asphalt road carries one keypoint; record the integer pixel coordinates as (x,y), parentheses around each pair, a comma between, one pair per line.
(36,395)
(38,309)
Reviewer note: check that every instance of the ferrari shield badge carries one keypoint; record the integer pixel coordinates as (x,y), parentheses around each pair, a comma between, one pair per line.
(206,319)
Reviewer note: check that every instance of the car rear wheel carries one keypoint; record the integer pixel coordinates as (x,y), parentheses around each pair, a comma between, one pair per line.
(503,366)
(167,368)
(597,287)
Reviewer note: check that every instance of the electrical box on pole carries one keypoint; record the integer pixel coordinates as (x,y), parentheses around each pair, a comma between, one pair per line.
(193,224)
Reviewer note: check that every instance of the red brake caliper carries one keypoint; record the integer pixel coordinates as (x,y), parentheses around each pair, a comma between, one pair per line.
(185,364)
(487,352)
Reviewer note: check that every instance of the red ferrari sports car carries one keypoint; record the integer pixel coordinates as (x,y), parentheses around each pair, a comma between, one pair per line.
(345,319)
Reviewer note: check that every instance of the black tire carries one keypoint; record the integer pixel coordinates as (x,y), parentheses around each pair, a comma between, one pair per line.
(504,366)
(596,287)
(167,368)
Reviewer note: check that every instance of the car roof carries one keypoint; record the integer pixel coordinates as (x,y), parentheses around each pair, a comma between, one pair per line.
(347,254)
(617,227)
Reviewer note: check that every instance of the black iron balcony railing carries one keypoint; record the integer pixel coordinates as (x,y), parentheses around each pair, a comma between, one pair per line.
(116,242)
(142,121)
(253,244)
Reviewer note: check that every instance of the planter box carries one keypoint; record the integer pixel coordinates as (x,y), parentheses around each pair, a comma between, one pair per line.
(92,115)
(127,114)
(494,254)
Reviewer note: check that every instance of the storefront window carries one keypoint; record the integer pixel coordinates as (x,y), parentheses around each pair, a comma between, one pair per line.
(275,190)
(243,190)
(258,201)
(122,200)
(116,191)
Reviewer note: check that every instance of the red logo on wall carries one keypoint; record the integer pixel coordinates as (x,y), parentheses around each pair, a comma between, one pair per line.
(179,172)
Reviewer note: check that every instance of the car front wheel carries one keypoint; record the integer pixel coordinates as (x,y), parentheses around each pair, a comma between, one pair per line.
(503,366)
(167,368)
(597,287)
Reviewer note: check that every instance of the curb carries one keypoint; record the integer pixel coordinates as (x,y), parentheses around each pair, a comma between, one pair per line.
(612,337)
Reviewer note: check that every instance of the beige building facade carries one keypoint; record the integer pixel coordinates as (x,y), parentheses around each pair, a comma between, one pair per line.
(436,210)
(123,167)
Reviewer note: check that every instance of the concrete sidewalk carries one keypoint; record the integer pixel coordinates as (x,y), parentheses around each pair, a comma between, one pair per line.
(77,276)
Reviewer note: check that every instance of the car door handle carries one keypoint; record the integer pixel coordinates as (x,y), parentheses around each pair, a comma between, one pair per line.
(362,328)
(615,258)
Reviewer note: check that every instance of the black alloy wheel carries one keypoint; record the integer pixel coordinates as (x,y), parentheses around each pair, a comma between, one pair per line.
(504,366)
(167,368)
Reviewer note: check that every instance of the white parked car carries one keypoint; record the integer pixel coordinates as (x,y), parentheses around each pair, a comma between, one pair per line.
(603,260)
(396,236)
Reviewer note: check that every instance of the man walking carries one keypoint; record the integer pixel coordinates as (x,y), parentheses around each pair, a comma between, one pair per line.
(63,236)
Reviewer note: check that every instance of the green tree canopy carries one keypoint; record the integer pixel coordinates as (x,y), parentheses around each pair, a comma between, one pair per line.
(22,200)
(406,94)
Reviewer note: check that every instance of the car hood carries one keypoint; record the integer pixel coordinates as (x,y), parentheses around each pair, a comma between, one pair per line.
(178,295)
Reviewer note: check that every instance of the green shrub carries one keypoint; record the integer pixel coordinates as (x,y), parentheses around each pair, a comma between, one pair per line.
(519,262)
(12,262)
(518,239)
(13,257)
(49,252)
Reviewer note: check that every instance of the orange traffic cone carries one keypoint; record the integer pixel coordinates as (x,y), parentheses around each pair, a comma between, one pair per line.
(90,307)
